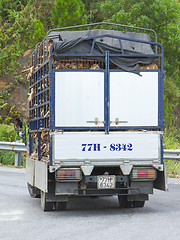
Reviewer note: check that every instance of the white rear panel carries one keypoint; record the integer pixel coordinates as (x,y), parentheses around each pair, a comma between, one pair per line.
(99,146)
(134,98)
(79,99)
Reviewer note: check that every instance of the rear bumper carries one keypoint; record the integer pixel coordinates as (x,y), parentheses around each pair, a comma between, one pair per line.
(88,187)
(106,192)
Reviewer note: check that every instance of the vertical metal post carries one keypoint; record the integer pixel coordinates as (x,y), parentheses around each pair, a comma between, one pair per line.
(108,93)
(50,149)
(19,158)
(17,161)
(39,145)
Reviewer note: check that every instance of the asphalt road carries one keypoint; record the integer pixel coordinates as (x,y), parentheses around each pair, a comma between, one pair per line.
(21,216)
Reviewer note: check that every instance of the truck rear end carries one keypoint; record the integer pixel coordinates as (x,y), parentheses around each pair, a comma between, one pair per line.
(96,117)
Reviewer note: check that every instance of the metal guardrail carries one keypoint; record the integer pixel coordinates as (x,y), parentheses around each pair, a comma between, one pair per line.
(19,147)
(16,147)
(172,154)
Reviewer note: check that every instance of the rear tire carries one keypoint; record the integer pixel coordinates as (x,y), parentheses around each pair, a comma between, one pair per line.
(138,204)
(46,206)
(123,203)
(33,191)
(60,206)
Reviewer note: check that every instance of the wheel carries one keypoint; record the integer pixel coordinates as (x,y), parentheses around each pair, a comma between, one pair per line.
(33,191)
(60,206)
(123,203)
(138,204)
(46,206)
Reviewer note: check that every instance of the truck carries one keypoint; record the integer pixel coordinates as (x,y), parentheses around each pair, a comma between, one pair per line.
(96,115)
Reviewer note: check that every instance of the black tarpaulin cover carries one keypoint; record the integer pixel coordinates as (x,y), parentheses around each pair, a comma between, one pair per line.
(76,42)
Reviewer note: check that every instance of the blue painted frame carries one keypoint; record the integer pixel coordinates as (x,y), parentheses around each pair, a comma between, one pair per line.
(52,99)
(35,123)
(107,126)
(160,103)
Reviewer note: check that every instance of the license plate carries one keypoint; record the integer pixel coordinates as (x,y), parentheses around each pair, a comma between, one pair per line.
(105,182)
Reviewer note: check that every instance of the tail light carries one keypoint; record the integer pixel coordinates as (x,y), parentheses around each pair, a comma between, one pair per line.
(68,174)
(143,174)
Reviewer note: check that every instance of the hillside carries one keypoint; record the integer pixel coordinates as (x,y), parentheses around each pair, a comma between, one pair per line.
(14,88)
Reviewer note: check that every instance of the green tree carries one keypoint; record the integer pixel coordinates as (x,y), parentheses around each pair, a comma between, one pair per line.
(6,5)
(23,23)
(67,13)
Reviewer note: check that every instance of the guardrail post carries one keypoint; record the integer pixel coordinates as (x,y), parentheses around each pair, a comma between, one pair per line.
(17,161)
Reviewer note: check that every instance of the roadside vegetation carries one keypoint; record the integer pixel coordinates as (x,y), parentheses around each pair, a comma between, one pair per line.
(8,134)
(24,23)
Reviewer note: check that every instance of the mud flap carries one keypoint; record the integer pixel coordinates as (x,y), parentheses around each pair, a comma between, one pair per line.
(161,180)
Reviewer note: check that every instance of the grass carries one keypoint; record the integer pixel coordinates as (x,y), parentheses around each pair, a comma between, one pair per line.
(171,141)
(172,168)
(8,158)
(8,134)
